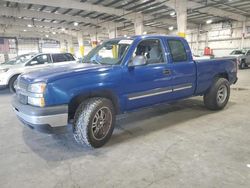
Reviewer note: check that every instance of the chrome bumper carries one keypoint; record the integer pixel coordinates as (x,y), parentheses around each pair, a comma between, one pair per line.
(52,120)
(45,119)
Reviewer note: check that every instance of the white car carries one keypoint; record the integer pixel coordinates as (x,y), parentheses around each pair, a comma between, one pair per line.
(9,71)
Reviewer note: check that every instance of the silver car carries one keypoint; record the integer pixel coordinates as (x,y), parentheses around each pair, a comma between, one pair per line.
(243,57)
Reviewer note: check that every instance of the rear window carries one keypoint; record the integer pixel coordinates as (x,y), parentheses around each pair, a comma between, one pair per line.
(62,57)
(177,50)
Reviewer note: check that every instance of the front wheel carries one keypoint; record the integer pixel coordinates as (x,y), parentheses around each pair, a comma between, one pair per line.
(94,122)
(218,95)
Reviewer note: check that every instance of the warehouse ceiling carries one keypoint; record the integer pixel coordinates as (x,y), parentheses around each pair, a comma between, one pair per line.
(95,16)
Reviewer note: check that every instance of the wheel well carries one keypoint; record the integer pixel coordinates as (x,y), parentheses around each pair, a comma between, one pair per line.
(16,75)
(77,100)
(243,60)
(222,75)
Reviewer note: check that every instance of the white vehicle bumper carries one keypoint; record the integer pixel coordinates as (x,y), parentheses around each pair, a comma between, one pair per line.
(3,80)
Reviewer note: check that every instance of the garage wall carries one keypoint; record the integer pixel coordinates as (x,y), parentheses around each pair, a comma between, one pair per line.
(221,37)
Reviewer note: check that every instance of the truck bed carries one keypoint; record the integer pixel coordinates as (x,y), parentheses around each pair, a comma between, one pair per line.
(208,69)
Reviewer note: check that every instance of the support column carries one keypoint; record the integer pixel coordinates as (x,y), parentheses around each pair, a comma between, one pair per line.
(243,35)
(39,45)
(138,24)
(112,33)
(93,39)
(181,13)
(198,39)
(63,47)
(71,47)
(80,44)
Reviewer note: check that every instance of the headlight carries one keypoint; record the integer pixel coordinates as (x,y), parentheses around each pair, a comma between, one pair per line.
(36,101)
(3,70)
(36,96)
(37,88)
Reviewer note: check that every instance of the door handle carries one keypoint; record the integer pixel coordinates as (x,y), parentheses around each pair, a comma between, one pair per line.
(166,72)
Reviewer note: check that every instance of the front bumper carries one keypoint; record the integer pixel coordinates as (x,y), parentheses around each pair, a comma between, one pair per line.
(3,80)
(48,119)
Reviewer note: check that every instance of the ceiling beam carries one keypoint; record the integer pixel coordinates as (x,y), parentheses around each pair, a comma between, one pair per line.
(23,22)
(19,12)
(209,10)
(74,4)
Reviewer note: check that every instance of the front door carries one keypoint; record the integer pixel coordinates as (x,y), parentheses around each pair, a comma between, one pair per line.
(148,84)
(248,57)
(39,62)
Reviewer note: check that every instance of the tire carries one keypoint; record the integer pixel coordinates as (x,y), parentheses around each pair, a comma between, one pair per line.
(218,95)
(242,65)
(12,83)
(90,126)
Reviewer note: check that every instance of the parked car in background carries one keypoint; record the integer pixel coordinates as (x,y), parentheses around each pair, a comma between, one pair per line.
(243,57)
(119,76)
(10,70)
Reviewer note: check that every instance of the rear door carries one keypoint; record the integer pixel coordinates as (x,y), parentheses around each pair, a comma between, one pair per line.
(62,58)
(183,68)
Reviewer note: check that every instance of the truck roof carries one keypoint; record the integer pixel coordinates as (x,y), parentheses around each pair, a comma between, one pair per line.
(148,36)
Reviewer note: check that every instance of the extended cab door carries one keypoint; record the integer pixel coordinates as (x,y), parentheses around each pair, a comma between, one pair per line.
(150,83)
(183,67)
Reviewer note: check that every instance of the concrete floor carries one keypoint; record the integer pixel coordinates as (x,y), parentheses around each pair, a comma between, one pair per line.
(179,145)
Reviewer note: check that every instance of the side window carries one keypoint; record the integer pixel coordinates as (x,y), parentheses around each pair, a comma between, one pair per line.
(40,60)
(151,49)
(177,50)
(248,53)
(57,58)
(70,57)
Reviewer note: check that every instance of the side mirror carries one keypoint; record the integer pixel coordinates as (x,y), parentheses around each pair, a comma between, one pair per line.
(138,61)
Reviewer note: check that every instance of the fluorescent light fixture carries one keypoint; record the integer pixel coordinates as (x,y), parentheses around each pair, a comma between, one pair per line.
(125,35)
(47,36)
(144,33)
(209,21)
(76,24)
(171,28)
(53,32)
(29,25)
(172,13)
(24,30)
(63,29)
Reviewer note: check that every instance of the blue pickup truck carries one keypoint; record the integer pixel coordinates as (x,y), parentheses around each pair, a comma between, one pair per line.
(119,75)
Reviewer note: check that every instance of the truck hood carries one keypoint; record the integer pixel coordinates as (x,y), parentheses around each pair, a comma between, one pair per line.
(58,72)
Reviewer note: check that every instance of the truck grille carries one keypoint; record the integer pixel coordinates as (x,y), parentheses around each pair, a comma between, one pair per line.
(22,87)
(22,98)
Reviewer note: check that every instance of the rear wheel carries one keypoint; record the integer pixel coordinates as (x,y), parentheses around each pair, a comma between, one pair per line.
(12,84)
(218,95)
(94,122)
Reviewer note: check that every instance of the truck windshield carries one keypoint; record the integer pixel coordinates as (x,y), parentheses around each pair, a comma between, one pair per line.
(110,52)
(236,52)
